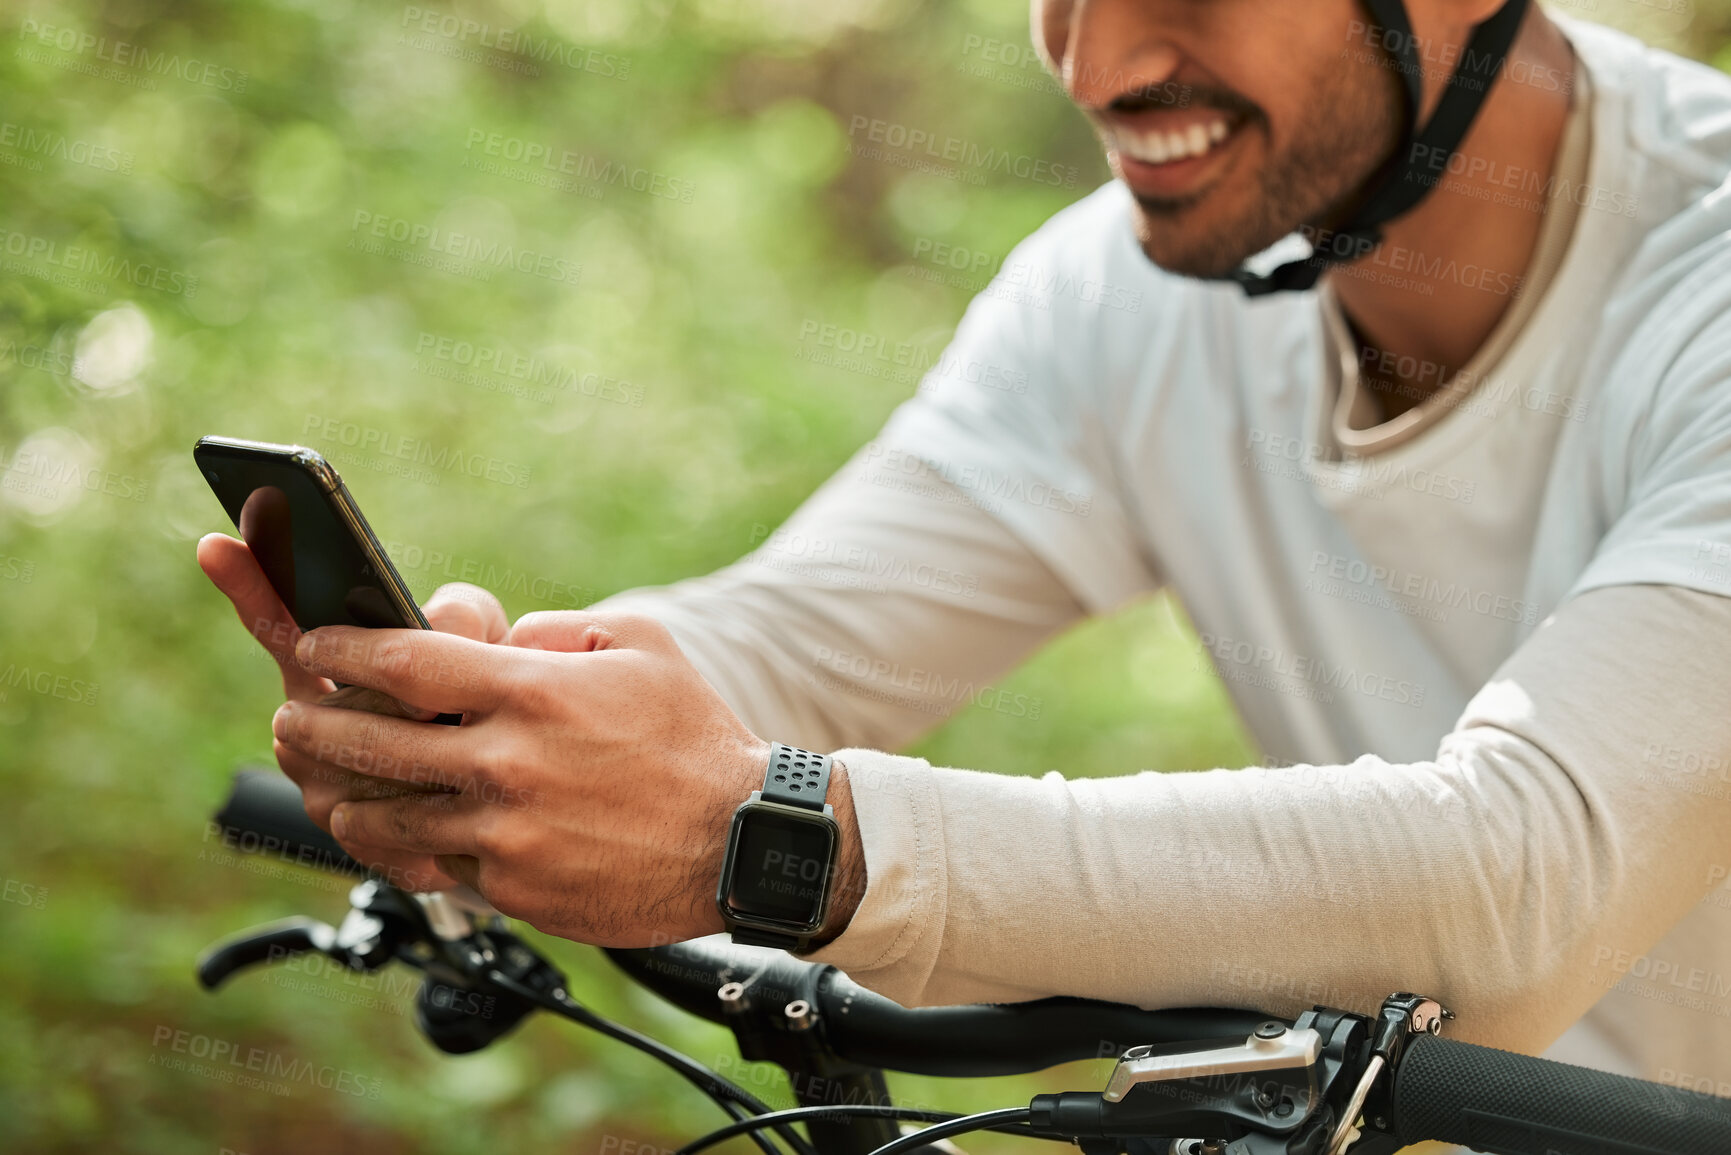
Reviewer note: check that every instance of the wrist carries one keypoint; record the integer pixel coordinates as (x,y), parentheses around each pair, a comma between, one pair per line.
(743,775)
(849,879)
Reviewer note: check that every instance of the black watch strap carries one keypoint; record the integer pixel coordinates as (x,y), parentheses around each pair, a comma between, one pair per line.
(796,777)
(751,936)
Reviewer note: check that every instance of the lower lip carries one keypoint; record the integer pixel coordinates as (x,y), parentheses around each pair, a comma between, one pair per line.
(1176,178)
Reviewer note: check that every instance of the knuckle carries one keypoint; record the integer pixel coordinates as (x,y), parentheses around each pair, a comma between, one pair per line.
(489,765)
(497,841)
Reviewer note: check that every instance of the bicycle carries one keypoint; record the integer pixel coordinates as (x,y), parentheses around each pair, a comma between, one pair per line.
(1198,1081)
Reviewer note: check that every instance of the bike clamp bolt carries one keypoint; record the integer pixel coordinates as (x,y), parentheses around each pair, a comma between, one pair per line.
(800,1015)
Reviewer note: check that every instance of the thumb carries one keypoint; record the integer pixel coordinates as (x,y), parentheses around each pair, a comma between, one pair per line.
(461,608)
(583,631)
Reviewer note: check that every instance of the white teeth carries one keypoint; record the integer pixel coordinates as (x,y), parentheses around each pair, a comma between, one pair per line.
(1156,147)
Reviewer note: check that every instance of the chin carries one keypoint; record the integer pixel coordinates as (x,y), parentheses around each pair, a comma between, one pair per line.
(1188,252)
(1191,242)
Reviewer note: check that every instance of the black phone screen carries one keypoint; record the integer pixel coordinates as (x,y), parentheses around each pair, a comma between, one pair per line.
(316,560)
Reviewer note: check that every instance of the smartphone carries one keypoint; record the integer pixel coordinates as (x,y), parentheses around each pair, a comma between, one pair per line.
(308,535)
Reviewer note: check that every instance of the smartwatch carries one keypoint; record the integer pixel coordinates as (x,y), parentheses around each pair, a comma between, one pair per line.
(781,853)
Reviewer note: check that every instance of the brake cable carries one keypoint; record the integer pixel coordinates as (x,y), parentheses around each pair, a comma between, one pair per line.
(983,1121)
(866,1110)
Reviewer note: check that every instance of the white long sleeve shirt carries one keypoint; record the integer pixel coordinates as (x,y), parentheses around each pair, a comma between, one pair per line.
(1492,660)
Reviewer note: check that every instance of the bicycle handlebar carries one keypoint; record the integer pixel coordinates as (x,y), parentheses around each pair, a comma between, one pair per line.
(975,1041)
(1441,1089)
(1497,1101)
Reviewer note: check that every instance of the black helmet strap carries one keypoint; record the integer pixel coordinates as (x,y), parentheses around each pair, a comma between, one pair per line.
(1422,159)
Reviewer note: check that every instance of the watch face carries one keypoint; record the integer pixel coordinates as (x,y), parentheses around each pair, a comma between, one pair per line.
(780,865)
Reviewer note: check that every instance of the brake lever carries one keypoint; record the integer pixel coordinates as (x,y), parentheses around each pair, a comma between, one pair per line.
(1282,1091)
(262,944)
(380,921)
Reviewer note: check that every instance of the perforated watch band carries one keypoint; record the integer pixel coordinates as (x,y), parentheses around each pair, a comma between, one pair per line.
(796,777)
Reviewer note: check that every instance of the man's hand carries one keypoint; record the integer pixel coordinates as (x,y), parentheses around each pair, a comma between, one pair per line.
(457,608)
(591,782)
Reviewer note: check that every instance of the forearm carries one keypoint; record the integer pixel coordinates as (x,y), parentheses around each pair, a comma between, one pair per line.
(866,619)
(1490,877)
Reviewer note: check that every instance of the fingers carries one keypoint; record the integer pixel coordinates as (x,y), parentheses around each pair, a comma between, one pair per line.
(232,569)
(425,668)
(373,702)
(580,631)
(432,824)
(323,788)
(464,869)
(394,750)
(467,611)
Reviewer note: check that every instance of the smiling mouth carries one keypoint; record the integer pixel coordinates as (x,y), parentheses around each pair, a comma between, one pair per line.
(1157,146)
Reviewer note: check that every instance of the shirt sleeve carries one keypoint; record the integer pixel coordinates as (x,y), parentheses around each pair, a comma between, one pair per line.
(888,601)
(1542,839)
(1664,482)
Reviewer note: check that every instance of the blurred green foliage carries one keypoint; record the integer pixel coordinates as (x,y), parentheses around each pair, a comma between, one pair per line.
(188,198)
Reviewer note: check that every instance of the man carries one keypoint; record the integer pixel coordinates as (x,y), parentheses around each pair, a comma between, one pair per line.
(1455,528)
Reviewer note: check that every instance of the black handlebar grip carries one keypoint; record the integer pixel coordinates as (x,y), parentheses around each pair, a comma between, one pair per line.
(1508,1104)
(264,815)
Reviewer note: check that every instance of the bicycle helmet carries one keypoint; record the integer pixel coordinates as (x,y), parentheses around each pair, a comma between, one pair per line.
(1415,168)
